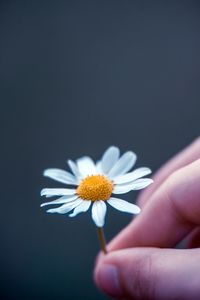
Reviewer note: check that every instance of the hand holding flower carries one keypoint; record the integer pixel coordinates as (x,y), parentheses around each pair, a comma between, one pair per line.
(141,263)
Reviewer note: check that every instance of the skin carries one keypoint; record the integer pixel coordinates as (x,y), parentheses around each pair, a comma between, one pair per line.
(142,262)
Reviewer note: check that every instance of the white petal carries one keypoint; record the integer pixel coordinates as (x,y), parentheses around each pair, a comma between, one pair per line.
(123,165)
(57,192)
(65,208)
(135,185)
(140,172)
(141,183)
(123,188)
(124,206)
(86,166)
(61,200)
(61,176)
(98,213)
(74,168)
(83,207)
(110,157)
(99,167)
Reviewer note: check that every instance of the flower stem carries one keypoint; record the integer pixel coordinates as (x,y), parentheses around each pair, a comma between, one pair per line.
(102,240)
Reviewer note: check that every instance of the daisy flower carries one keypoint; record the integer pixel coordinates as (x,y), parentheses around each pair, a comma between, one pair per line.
(96,184)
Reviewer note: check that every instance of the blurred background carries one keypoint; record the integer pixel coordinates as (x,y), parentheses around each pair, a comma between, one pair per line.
(76,77)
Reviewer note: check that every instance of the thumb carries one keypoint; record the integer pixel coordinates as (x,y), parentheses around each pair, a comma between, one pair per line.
(150,273)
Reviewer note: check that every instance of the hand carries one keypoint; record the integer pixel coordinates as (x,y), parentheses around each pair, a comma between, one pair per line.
(141,263)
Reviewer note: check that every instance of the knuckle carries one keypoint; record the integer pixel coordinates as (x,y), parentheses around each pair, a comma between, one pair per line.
(173,178)
(171,194)
(143,283)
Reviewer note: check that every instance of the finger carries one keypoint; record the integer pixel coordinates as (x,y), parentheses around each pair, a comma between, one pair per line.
(187,156)
(174,210)
(150,273)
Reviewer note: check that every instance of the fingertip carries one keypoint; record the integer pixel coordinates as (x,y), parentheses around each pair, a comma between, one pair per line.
(114,274)
(106,277)
(100,258)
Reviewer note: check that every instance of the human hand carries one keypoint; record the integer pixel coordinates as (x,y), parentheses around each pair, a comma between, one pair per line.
(141,263)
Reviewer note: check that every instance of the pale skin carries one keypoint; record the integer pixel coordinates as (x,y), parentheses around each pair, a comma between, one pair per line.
(142,262)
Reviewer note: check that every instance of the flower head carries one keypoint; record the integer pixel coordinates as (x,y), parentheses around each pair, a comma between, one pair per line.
(96,183)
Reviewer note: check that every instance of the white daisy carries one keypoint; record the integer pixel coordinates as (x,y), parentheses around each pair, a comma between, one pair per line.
(97,184)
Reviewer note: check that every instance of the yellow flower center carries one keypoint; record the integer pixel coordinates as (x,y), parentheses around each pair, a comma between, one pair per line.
(95,187)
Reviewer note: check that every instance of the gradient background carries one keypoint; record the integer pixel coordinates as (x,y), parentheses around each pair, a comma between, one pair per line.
(76,77)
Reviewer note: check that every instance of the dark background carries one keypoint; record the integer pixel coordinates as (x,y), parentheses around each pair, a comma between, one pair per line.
(76,77)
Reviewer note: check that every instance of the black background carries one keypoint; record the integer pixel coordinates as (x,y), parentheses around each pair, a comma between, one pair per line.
(76,77)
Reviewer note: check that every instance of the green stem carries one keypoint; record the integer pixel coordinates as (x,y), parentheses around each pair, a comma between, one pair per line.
(102,240)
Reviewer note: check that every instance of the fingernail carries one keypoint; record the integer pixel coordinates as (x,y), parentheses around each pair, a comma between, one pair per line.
(108,280)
